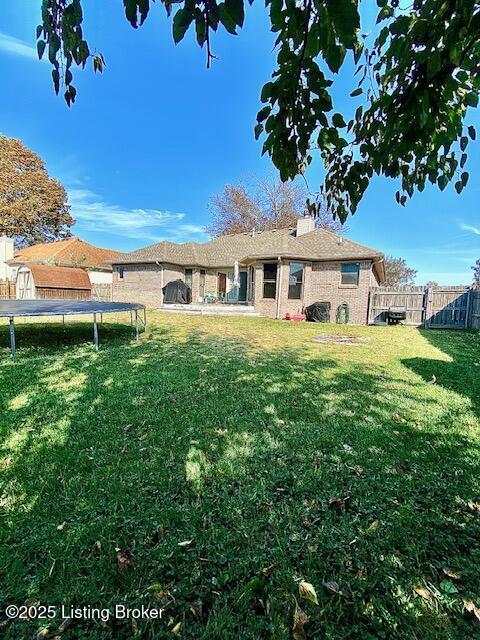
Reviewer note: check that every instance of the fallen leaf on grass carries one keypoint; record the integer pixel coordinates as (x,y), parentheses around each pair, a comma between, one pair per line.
(125,559)
(332,587)
(455,574)
(197,610)
(373,527)
(307,591)
(471,608)
(299,621)
(266,571)
(185,543)
(398,470)
(338,502)
(43,633)
(422,591)
(474,506)
(176,628)
(433,380)
(61,526)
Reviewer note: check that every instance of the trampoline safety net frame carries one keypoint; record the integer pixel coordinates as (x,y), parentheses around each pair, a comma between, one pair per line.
(12,309)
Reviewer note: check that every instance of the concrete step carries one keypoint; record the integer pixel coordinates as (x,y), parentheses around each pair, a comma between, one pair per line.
(212,309)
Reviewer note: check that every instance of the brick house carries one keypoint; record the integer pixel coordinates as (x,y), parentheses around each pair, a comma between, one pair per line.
(274,272)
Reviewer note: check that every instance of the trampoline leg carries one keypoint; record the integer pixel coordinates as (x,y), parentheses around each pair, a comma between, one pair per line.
(136,325)
(12,337)
(95,331)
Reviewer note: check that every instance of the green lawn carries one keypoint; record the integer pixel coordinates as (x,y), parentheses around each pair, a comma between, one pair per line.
(271,458)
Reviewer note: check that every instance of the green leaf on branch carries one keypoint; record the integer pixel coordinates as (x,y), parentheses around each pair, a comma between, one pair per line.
(442,182)
(345,17)
(136,11)
(338,120)
(181,21)
(471,99)
(41,44)
(236,11)
(226,19)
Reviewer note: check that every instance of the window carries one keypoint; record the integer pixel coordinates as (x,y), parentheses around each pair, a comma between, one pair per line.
(295,283)
(189,277)
(350,273)
(120,272)
(269,280)
(202,282)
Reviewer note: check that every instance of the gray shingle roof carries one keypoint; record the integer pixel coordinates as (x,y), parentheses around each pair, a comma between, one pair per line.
(223,251)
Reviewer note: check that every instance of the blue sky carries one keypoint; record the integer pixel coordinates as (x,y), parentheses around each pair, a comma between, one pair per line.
(149,142)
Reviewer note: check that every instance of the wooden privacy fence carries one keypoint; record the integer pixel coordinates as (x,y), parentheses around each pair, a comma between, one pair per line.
(431,307)
(7,290)
(475,310)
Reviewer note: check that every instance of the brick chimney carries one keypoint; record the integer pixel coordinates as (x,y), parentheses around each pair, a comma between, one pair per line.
(6,253)
(305,225)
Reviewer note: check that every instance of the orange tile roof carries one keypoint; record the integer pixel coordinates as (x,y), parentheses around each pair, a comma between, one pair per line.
(53,277)
(72,252)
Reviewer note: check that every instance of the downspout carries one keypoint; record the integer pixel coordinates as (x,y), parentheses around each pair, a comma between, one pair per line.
(279,287)
(161,281)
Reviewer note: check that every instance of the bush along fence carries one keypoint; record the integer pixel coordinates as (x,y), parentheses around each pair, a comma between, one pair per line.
(431,307)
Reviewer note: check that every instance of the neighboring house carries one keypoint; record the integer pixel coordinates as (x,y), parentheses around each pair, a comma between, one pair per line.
(40,281)
(72,252)
(276,271)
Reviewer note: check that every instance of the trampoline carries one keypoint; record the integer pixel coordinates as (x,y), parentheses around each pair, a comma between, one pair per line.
(12,309)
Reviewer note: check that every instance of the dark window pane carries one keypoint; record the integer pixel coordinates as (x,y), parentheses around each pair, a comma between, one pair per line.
(270,271)
(350,273)
(295,291)
(120,272)
(188,277)
(202,282)
(269,289)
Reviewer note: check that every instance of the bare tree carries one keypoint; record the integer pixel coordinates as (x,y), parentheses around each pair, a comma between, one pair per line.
(397,272)
(263,203)
(476,272)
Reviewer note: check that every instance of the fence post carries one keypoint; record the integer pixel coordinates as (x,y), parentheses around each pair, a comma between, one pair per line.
(469,307)
(427,307)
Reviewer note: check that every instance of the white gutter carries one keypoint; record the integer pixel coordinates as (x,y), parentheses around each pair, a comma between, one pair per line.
(279,287)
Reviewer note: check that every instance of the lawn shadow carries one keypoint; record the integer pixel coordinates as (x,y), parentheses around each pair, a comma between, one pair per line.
(459,371)
(229,473)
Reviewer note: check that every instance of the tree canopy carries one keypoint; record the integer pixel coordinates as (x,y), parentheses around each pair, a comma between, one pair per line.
(33,206)
(262,204)
(418,76)
(476,272)
(397,272)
